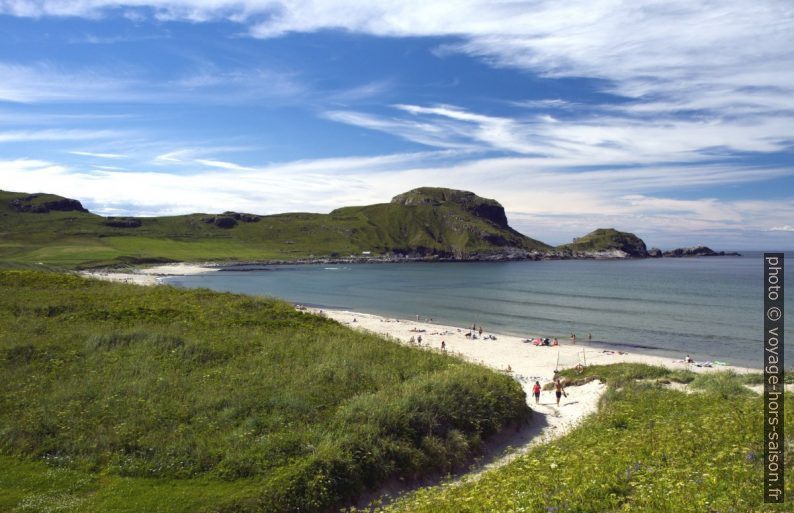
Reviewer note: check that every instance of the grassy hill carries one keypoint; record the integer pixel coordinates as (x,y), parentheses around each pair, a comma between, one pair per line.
(607,239)
(129,399)
(56,231)
(649,449)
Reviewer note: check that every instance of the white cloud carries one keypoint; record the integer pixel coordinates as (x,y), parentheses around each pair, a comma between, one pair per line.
(98,155)
(581,142)
(784,228)
(12,136)
(43,82)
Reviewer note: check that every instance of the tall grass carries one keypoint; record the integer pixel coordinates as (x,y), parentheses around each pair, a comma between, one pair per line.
(165,384)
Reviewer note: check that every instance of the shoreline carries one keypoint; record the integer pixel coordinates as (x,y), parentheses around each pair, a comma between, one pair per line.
(505,350)
(149,276)
(599,353)
(509,354)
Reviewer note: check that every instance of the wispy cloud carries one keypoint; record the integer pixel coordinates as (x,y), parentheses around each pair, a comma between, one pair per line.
(98,155)
(206,84)
(56,135)
(598,140)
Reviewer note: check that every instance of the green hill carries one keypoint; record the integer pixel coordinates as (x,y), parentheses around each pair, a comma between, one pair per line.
(607,239)
(426,222)
(134,399)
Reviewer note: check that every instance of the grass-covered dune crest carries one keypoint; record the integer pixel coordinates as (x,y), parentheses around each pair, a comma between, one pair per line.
(124,398)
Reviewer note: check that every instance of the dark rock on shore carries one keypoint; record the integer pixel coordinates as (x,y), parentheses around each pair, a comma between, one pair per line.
(697,251)
(654,253)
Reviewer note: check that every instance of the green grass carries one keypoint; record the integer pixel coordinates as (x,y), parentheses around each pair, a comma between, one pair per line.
(75,239)
(125,398)
(627,372)
(649,449)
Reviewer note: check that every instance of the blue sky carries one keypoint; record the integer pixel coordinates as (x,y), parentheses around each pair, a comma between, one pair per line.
(673,120)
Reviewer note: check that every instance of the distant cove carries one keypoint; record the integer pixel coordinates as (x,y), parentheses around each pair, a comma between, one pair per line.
(708,307)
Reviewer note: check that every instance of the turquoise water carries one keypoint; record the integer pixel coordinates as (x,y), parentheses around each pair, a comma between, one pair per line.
(710,308)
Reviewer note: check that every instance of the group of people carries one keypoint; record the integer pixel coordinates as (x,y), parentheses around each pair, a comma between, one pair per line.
(573,338)
(559,390)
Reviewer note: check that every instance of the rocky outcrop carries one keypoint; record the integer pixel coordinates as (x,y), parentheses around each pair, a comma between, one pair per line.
(123,222)
(230,219)
(243,218)
(483,208)
(655,253)
(695,251)
(43,203)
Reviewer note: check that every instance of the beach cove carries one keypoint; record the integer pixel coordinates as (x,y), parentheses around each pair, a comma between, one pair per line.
(511,354)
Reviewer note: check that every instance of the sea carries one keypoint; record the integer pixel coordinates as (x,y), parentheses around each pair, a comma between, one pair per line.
(708,307)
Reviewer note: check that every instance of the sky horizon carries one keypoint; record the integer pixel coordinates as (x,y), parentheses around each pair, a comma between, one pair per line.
(674,120)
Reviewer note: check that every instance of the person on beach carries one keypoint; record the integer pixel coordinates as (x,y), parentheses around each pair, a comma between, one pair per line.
(589,337)
(688,359)
(419,340)
(443,346)
(559,390)
(573,338)
(536,392)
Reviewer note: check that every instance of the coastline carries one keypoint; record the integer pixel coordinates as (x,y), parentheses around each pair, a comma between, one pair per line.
(479,350)
(506,350)
(511,354)
(149,276)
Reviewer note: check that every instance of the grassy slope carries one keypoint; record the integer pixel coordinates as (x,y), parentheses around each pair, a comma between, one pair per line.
(74,239)
(124,398)
(649,449)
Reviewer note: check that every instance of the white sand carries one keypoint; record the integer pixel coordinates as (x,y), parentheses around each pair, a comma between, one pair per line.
(151,275)
(527,363)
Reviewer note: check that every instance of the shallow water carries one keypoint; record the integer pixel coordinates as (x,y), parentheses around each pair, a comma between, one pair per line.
(710,308)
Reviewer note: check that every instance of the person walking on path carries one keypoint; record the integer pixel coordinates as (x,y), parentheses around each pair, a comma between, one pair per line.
(559,390)
(536,392)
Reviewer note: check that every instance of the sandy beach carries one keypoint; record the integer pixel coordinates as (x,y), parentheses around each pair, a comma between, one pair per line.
(524,361)
(151,275)
(521,359)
